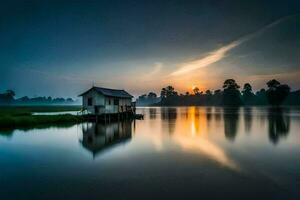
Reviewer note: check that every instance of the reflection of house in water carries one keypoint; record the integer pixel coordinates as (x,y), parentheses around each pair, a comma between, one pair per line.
(98,137)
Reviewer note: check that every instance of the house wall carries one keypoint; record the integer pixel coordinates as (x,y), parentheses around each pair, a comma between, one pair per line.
(97,99)
(125,103)
(106,104)
(109,105)
(111,108)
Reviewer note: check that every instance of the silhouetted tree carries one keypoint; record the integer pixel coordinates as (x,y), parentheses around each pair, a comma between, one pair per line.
(10,93)
(69,100)
(49,99)
(168,92)
(293,98)
(152,95)
(23,99)
(230,96)
(208,92)
(231,93)
(163,93)
(277,92)
(208,97)
(248,95)
(7,97)
(169,96)
(147,100)
(217,97)
(261,97)
(196,91)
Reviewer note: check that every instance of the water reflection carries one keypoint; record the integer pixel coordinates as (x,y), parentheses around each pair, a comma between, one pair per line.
(169,116)
(218,115)
(231,121)
(248,119)
(279,124)
(9,132)
(196,122)
(209,115)
(97,137)
(202,120)
(154,161)
(152,113)
(273,122)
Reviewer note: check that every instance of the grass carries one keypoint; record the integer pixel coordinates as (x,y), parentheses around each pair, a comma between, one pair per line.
(21,116)
(27,110)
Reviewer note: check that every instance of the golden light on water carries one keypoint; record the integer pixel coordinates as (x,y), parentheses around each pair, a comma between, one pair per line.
(187,128)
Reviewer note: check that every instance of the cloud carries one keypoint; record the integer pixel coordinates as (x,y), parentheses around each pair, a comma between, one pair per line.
(213,57)
(154,72)
(220,53)
(156,69)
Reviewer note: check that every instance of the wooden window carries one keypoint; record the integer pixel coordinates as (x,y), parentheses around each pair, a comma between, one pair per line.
(90,101)
(109,102)
(116,102)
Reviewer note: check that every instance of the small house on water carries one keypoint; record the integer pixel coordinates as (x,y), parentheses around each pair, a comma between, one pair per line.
(98,100)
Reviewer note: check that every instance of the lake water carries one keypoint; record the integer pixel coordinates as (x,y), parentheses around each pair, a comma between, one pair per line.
(58,113)
(174,153)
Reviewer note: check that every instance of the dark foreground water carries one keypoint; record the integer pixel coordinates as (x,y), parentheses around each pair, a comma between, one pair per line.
(174,153)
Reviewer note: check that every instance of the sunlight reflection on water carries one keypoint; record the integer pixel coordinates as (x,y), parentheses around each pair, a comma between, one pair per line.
(212,147)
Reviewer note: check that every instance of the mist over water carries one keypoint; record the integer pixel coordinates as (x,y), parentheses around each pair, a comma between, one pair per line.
(175,152)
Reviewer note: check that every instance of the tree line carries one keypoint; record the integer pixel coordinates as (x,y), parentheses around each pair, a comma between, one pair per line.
(147,99)
(8,98)
(231,95)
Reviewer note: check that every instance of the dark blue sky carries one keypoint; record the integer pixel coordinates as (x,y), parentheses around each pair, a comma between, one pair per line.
(60,48)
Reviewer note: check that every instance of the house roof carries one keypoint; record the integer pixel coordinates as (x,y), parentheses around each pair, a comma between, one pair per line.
(110,92)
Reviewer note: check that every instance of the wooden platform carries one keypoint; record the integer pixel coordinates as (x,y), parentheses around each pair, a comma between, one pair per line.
(112,117)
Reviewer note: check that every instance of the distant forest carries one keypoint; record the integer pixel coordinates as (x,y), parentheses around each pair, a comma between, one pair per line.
(8,98)
(147,99)
(231,95)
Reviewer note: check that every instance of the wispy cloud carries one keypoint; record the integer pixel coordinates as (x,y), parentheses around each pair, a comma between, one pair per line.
(213,57)
(156,68)
(220,53)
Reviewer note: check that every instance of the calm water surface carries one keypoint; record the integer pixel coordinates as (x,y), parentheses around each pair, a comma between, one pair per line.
(174,153)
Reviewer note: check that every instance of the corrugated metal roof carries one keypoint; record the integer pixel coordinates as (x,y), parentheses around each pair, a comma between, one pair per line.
(110,92)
